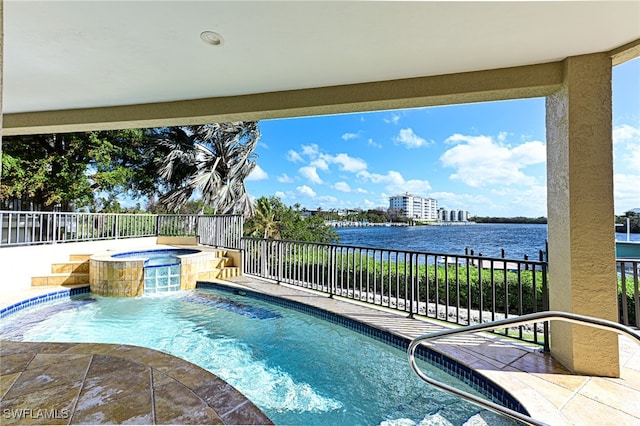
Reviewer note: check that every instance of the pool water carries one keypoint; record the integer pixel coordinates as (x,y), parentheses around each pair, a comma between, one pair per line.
(160,257)
(298,369)
(162,272)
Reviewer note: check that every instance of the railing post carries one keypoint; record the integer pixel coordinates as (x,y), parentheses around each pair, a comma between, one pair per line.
(280,260)
(332,267)
(545,304)
(413,285)
(55,228)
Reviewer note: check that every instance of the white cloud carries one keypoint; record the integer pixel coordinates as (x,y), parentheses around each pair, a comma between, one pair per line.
(310,173)
(395,118)
(320,163)
(395,183)
(626,192)
(284,178)
(362,191)
(311,150)
(414,186)
(280,194)
(348,136)
(626,147)
(342,187)
(371,142)
(369,204)
(294,157)
(305,191)
(347,163)
(480,161)
(408,138)
(257,174)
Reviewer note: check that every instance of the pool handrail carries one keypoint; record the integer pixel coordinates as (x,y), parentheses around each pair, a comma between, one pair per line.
(509,322)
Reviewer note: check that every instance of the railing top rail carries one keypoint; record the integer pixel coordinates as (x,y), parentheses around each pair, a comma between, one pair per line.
(409,252)
(31,212)
(510,322)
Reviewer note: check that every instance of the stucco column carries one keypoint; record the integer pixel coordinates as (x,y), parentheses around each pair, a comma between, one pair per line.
(582,269)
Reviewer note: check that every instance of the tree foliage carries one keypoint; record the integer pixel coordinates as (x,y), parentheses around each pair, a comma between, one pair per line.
(517,219)
(272,219)
(181,165)
(634,222)
(60,169)
(210,161)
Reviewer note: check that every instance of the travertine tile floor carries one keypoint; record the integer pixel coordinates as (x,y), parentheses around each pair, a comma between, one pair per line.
(545,388)
(67,383)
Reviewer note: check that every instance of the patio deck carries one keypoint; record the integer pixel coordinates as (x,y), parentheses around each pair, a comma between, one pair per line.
(545,388)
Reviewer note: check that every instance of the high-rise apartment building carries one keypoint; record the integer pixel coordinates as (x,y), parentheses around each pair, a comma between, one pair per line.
(415,207)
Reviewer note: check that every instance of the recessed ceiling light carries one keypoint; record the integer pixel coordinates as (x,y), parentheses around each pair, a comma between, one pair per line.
(211,38)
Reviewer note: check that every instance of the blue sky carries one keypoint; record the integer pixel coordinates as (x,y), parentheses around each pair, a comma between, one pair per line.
(488,158)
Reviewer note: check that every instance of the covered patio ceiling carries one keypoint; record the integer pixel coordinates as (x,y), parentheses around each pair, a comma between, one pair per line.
(76,65)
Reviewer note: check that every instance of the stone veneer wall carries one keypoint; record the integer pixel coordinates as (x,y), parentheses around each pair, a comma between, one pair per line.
(116,277)
(110,276)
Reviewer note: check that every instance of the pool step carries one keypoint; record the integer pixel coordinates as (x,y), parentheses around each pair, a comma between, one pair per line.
(73,272)
(219,273)
(77,266)
(61,279)
(79,257)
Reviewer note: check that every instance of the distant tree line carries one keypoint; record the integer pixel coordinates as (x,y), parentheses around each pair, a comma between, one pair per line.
(517,219)
(634,222)
(621,221)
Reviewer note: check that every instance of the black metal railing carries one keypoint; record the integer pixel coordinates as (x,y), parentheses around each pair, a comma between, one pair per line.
(628,271)
(461,289)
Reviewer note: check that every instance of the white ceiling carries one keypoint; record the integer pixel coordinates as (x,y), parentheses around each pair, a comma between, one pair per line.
(77,54)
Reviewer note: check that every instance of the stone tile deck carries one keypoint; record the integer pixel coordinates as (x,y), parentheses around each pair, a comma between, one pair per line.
(79,383)
(174,391)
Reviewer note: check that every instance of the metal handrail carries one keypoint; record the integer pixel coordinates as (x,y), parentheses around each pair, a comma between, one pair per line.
(524,319)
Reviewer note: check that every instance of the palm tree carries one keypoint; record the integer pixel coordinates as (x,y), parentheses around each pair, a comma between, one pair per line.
(263,223)
(211,161)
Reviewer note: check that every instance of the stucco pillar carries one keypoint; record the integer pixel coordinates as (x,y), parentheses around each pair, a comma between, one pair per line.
(582,269)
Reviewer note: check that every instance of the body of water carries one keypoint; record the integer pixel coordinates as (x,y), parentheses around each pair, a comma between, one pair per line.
(517,240)
(488,239)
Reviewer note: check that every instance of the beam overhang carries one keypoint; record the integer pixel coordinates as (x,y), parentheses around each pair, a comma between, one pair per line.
(479,86)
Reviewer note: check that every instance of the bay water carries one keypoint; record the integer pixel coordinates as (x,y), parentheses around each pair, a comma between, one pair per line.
(517,240)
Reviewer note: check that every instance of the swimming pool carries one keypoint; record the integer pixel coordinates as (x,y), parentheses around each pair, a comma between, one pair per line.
(296,368)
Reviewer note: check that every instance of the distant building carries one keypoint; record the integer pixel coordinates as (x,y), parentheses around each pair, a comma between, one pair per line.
(446,215)
(415,207)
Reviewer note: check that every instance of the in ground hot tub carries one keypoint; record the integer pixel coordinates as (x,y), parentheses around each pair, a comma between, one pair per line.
(138,272)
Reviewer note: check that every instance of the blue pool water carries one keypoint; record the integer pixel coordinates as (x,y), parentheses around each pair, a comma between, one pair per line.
(296,368)
(160,257)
